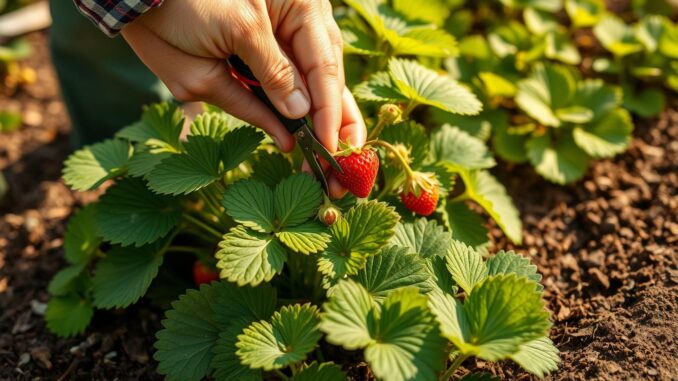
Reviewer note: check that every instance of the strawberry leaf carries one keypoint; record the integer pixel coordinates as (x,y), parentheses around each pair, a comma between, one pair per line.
(145,160)
(364,230)
(539,357)
(421,85)
(238,144)
(466,266)
(250,202)
(82,238)
(287,339)
(422,237)
(124,275)
(502,313)
(184,345)
(187,172)
(64,282)
(130,214)
(466,225)
(250,257)
(488,192)
(584,13)
(423,41)
(440,279)
(326,371)
(357,40)
(271,168)
(68,315)
(307,238)
(91,166)
(297,199)
(548,88)
(354,321)
(454,146)
(429,11)
(507,262)
(392,269)
(560,162)
(646,103)
(160,127)
(226,364)
(379,88)
(607,137)
(616,36)
(544,5)
(412,135)
(211,124)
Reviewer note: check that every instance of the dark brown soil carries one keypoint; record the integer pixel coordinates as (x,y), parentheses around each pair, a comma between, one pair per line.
(606,247)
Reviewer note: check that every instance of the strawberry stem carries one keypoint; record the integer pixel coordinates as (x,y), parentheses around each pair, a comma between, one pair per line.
(406,166)
(376,131)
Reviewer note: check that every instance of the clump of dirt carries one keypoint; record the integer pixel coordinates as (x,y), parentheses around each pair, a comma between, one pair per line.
(606,247)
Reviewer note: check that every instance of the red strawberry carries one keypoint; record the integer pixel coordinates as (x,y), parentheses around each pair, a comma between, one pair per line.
(420,193)
(360,167)
(203,274)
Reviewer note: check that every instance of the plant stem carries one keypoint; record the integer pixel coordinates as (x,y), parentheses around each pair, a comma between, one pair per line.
(462,197)
(453,367)
(202,225)
(392,149)
(376,131)
(408,109)
(281,374)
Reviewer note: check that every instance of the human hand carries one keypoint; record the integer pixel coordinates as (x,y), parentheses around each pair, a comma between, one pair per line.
(293,47)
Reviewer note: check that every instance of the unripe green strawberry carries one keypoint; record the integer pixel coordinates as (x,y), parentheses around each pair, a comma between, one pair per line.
(420,193)
(328,214)
(360,166)
(390,114)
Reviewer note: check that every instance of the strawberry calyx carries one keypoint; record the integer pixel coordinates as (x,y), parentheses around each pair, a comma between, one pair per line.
(328,213)
(418,182)
(347,149)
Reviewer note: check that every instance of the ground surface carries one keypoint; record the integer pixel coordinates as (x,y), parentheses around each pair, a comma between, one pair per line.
(606,247)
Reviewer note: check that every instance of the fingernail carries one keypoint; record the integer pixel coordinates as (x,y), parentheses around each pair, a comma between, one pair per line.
(297,104)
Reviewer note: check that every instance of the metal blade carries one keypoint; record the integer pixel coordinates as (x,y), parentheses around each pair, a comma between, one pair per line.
(306,140)
(325,154)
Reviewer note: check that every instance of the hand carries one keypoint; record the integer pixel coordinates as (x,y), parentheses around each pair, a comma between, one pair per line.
(293,47)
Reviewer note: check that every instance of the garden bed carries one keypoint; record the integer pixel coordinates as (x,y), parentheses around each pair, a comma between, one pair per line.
(605,245)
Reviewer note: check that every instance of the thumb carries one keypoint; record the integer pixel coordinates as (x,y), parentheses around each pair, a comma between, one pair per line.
(278,76)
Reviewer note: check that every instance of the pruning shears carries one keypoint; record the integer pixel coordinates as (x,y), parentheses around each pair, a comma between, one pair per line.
(310,146)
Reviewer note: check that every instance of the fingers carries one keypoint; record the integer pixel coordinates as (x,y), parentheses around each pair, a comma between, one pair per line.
(277,74)
(191,78)
(353,129)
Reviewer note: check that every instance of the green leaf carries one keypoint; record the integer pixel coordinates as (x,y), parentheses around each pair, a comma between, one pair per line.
(607,137)
(124,275)
(145,160)
(497,86)
(82,238)
(407,344)
(561,162)
(231,121)
(466,225)
(89,167)
(400,340)
(238,144)
(350,315)
(440,279)
(595,95)
(297,199)
(539,356)
(184,345)
(466,266)
(488,192)
(9,121)
(544,5)
(424,86)
(502,313)
(290,335)
(548,88)
(452,145)
(130,214)
(363,231)
(394,268)
(68,315)
(210,124)
(584,13)
(235,308)
(250,202)
(575,114)
(160,127)
(423,237)
(357,40)
(187,172)
(250,257)
(271,168)
(62,283)
(428,11)
(423,41)
(540,22)
(507,262)
(509,144)
(410,134)
(307,238)
(326,371)
(616,36)
(560,47)
(379,88)
(647,103)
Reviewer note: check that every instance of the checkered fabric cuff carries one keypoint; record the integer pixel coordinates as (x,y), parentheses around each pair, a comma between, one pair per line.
(112,15)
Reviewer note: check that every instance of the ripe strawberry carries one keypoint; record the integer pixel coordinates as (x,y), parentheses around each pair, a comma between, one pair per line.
(360,167)
(203,274)
(420,193)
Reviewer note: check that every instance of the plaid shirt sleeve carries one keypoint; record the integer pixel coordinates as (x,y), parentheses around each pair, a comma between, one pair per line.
(112,15)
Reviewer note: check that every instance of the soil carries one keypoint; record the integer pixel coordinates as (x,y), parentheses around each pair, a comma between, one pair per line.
(606,247)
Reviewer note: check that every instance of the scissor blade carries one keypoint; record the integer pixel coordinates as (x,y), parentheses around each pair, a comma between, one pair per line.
(306,140)
(325,154)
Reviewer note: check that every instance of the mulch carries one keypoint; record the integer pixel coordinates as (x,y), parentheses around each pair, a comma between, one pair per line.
(606,247)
